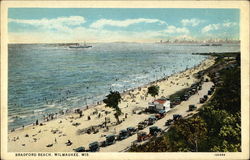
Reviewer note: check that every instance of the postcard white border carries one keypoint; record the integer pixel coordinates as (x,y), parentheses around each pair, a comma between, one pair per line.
(244,34)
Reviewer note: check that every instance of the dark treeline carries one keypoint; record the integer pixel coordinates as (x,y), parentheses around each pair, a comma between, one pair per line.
(217,125)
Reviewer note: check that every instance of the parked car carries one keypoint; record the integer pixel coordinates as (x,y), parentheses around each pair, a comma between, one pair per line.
(131,131)
(176,117)
(79,149)
(202,100)
(154,130)
(192,107)
(160,114)
(205,97)
(169,122)
(176,101)
(94,147)
(184,97)
(110,139)
(142,136)
(142,125)
(123,134)
(151,120)
(209,92)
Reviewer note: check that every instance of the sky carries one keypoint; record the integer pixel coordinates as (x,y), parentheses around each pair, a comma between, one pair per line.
(60,25)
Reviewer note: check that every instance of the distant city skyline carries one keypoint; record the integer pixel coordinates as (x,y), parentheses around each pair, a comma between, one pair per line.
(68,25)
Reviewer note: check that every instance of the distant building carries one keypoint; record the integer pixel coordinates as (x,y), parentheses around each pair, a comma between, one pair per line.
(159,104)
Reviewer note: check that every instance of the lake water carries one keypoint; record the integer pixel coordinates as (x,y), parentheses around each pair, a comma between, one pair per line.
(46,78)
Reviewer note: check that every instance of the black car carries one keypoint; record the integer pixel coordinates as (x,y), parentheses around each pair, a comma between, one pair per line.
(110,139)
(192,107)
(131,131)
(169,122)
(154,130)
(184,97)
(123,134)
(94,147)
(151,120)
(79,149)
(205,97)
(210,92)
(176,117)
(142,125)
(202,100)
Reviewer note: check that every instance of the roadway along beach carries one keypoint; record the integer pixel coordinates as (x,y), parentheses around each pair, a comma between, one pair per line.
(57,132)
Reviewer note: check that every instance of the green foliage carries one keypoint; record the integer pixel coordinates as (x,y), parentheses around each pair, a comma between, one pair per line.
(184,136)
(217,125)
(192,131)
(229,91)
(226,147)
(112,101)
(153,90)
(222,113)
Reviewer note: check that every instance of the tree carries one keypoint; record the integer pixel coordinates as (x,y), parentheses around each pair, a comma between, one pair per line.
(188,134)
(153,90)
(112,101)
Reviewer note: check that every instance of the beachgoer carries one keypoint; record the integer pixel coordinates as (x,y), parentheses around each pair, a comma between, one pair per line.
(37,122)
(69,142)
(55,140)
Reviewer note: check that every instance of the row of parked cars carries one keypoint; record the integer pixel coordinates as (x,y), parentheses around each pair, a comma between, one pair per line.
(151,120)
(153,130)
(125,133)
(110,139)
(171,121)
(191,91)
(205,97)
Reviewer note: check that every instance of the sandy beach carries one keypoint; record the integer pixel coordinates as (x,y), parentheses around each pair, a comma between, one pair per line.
(57,132)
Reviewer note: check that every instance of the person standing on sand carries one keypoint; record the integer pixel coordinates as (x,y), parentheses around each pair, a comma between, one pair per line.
(55,140)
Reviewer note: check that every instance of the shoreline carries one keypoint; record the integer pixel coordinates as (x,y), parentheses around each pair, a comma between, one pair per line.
(97,103)
(70,111)
(60,130)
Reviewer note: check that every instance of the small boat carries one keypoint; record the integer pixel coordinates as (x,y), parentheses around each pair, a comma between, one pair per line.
(216,44)
(205,44)
(77,45)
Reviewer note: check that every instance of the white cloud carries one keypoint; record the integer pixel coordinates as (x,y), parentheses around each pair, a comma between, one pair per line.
(229,24)
(212,27)
(173,29)
(123,23)
(191,22)
(81,34)
(60,23)
(69,29)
